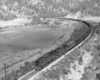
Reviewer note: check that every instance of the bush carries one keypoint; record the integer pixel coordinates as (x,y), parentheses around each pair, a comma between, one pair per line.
(35,20)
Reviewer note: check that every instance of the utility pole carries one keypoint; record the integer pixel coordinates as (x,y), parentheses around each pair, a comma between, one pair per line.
(5,71)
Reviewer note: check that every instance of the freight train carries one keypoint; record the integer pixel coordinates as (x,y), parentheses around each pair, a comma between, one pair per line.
(49,57)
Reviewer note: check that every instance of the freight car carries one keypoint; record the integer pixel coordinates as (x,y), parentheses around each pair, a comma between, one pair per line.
(82,37)
(71,44)
(77,35)
(62,51)
(67,46)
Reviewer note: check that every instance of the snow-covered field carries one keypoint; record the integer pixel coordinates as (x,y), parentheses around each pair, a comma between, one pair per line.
(15,22)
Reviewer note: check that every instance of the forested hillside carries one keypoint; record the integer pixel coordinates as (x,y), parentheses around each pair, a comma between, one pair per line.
(10,9)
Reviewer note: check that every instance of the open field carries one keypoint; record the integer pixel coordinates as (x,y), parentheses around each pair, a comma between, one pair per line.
(28,37)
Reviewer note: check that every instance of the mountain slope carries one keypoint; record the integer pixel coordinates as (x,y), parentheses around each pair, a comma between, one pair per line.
(49,8)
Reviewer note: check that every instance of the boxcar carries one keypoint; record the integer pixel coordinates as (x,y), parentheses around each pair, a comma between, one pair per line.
(71,44)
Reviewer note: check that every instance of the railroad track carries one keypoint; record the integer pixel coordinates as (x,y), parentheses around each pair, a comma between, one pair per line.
(33,72)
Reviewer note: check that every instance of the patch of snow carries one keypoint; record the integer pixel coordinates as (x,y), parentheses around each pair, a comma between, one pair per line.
(94,19)
(15,4)
(69,15)
(4,7)
(74,75)
(78,15)
(15,22)
(35,2)
(77,73)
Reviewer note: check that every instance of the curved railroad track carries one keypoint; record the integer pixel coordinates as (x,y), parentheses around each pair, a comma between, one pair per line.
(33,72)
